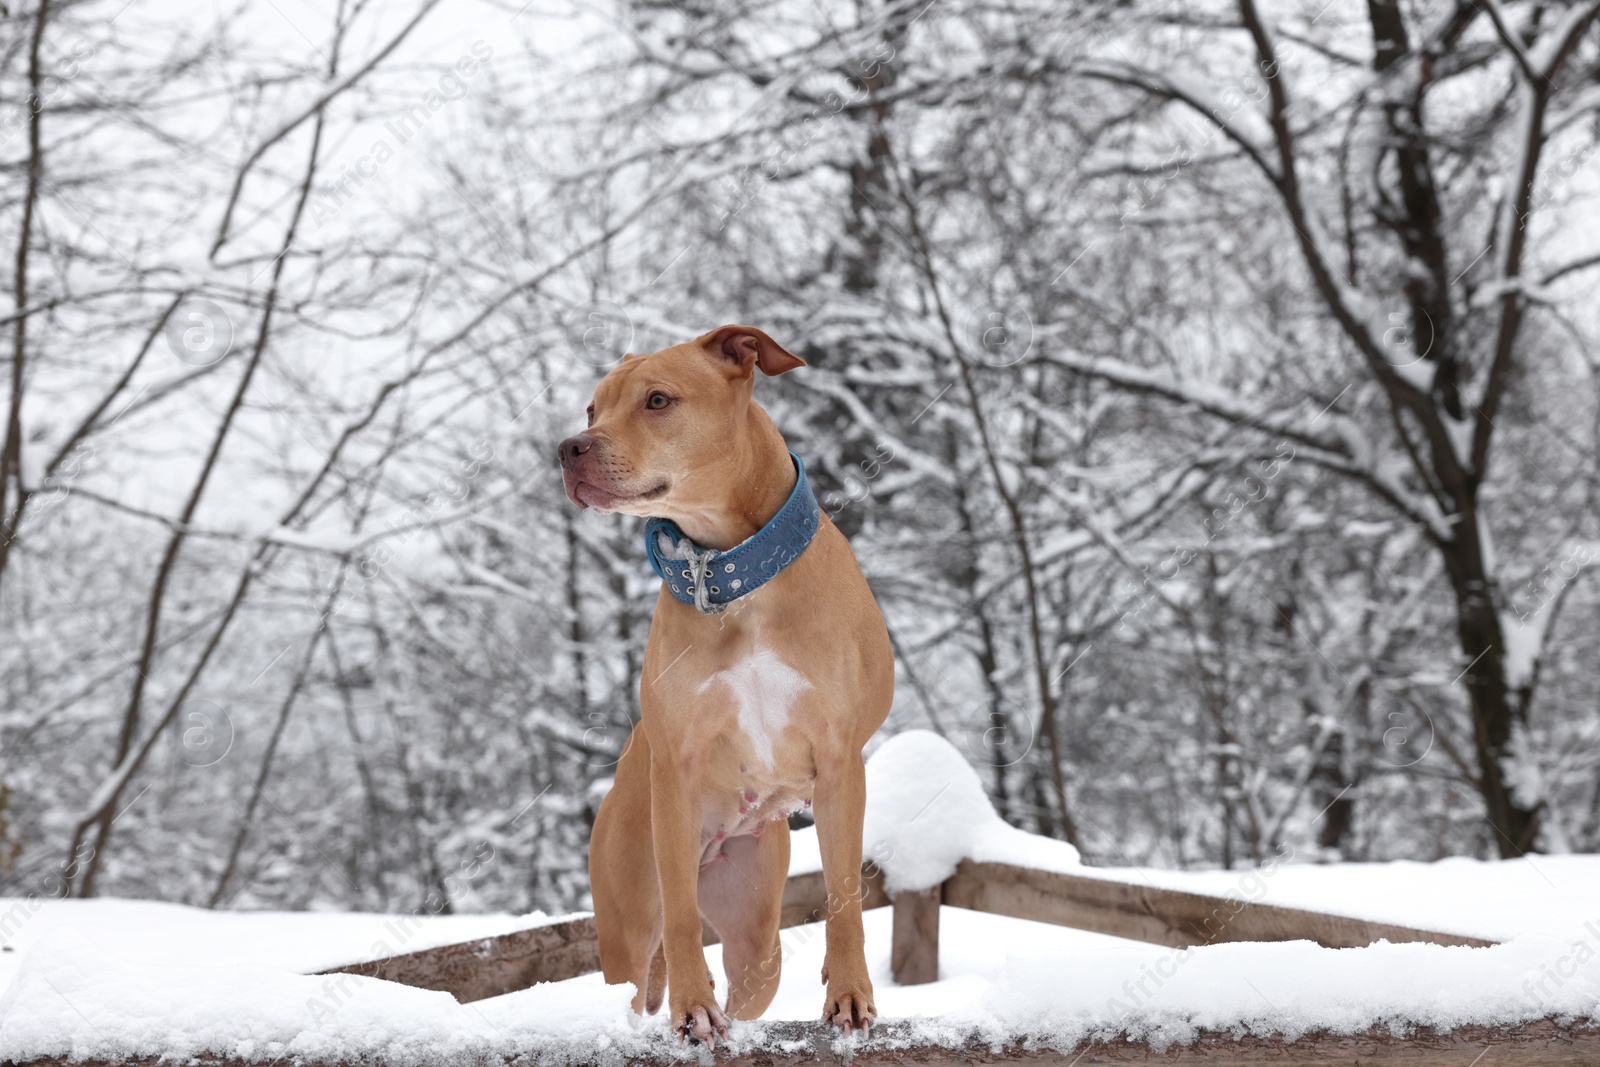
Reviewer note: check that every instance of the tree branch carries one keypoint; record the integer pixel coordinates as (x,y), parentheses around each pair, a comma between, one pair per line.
(314,108)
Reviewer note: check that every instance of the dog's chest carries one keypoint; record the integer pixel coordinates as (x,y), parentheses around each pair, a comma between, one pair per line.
(763,690)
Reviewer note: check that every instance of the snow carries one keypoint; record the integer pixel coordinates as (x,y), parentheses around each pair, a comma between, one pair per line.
(1418,373)
(1524,641)
(1542,57)
(122,978)
(294,941)
(73,998)
(805,851)
(1295,988)
(107,978)
(999,978)
(927,811)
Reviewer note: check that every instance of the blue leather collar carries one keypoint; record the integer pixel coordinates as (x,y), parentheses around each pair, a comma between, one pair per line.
(708,580)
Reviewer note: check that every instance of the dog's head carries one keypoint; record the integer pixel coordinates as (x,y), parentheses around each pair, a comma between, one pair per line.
(663,427)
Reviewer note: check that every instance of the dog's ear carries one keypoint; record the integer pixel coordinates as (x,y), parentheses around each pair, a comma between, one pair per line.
(745,348)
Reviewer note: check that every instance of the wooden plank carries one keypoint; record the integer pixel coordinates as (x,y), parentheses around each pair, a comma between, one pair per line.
(1161,916)
(490,966)
(805,896)
(1542,1043)
(805,900)
(914,951)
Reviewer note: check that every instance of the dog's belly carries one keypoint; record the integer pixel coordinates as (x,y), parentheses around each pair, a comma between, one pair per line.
(760,772)
(731,814)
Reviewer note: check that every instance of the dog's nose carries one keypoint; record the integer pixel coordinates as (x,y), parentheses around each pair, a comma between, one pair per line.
(569,450)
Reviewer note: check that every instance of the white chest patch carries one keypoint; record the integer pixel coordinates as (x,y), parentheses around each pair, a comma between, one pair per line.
(764,689)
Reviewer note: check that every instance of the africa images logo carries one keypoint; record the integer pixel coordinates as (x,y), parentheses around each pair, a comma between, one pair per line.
(330,200)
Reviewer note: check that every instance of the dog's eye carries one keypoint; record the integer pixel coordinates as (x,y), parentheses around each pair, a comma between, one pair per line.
(657,401)
(589,411)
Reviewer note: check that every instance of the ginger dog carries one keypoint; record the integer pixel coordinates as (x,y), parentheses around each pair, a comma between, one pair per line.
(747,714)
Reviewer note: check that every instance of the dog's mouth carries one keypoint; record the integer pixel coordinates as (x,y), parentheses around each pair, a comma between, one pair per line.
(589,495)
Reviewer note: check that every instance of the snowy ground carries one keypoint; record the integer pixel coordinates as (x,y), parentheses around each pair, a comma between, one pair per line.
(120,977)
(116,977)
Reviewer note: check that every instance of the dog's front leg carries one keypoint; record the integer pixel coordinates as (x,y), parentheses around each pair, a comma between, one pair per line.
(840,805)
(675,830)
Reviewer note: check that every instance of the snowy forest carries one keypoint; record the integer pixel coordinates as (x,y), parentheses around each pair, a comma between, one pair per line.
(1210,392)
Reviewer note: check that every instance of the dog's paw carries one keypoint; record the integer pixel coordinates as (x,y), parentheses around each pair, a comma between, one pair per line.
(850,1008)
(700,1021)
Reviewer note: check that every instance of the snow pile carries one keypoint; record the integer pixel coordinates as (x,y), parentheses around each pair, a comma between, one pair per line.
(302,941)
(1001,980)
(1292,989)
(72,999)
(927,811)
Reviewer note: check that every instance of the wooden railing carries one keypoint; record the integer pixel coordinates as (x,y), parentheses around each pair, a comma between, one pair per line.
(491,966)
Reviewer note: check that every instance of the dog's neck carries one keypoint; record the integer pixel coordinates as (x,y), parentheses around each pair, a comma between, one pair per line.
(751,488)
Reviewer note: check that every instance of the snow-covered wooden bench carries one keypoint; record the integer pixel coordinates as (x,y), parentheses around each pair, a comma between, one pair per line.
(933,840)
(492,966)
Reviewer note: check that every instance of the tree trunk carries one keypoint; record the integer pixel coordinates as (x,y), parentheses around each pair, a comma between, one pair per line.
(1493,713)
(11,452)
